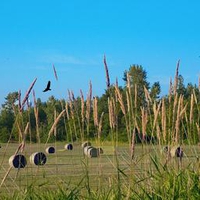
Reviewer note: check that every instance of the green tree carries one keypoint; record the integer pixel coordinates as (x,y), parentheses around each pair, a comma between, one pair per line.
(155,91)
(181,87)
(138,79)
(11,100)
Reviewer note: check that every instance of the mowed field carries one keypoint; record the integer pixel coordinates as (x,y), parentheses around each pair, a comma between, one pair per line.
(73,167)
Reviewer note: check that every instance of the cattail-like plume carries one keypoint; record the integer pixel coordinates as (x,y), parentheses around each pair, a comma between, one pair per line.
(176,77)
(55,73)
(27,94)
(107,73)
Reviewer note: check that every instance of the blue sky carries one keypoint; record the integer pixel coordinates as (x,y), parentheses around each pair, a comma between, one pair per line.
(74,36)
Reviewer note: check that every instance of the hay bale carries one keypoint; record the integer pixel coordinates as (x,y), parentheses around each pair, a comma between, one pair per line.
(176,151)
(69,147)
(85,144)
(100,150)
(17,161)
(165,150)
(85,150)
(50,150)
(92,152)
(38,158)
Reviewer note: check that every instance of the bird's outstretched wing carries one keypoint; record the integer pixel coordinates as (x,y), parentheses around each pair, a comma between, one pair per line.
(48,87)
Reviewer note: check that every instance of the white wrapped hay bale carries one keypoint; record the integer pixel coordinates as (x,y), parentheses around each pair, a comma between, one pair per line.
(68,147)
(38,158)
(85,150)
(17,161)
(85,144)
(50,150)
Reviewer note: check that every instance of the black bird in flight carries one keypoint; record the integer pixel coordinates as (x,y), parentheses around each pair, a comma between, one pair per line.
(48,87)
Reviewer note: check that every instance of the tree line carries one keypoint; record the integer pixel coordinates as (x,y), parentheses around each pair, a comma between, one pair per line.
(136,107)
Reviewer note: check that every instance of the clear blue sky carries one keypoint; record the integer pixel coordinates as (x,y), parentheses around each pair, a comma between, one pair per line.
(74,36)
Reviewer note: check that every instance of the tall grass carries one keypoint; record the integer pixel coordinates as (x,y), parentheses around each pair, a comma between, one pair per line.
(136,171)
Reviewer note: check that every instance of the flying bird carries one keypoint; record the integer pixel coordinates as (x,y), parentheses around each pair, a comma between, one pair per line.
(48,87)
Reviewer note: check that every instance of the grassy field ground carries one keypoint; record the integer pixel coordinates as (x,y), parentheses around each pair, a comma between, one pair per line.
(112,175)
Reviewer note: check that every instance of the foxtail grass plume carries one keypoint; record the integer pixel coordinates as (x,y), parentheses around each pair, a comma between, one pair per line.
(107,73)
(55,73)
(27,94)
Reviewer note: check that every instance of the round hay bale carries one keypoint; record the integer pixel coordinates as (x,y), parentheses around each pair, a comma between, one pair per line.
(50,150)
(92,152)
(69,147)
(85,144)
(86,149)
(17,161)
(38,158)
(176,151)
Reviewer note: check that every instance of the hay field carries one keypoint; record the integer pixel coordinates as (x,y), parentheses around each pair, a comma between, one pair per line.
(73,167)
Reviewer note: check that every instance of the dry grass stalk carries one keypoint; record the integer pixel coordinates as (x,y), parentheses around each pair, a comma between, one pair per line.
(67,109)
(144,122)
(22,146)
(195,97)
(88,104)
(158,133)
(107,73)
(176,77)
(170,90)
(71,110)
(55,73)
(177,125)
(36,117)
(164,125)
(133,144)
(69,95)
(183,111)
(19,98)
(111,113)
(95,111)
(100,125)
(191,108)
(55,124)
(82,107)
(120,99)
(173,123)
(156,112)
(135,102)
(128,102)
(27,94)
(128,83)
(198,130)
(147,96)
(55,128)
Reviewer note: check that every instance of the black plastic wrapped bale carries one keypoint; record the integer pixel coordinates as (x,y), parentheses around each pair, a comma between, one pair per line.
(85,144)
(68,147)
(17,161)
(38,158)
(50,150)
(93,152)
